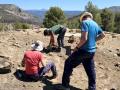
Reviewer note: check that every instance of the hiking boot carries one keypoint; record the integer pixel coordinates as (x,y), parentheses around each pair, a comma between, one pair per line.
(60,87)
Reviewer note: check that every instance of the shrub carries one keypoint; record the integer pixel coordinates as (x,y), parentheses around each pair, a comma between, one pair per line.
(1,26)
(54,16)
(21,26)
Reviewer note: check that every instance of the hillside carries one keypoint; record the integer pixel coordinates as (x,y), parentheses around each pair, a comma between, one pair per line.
(73,21)
(13,44)
(10,13)
(41,13)
(115,9)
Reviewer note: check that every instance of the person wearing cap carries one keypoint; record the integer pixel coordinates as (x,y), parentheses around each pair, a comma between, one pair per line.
(34,63)
(57,29)
(84,52)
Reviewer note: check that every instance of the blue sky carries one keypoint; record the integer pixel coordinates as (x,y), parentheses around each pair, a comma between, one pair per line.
(64,4)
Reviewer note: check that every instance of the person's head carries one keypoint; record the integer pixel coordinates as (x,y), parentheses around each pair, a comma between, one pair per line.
(37,46)
(47,32)
(86,15)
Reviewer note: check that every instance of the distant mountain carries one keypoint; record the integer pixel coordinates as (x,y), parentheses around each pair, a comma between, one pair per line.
(115,9)
(38,13)
(11,13)
(70,14)
(41,13)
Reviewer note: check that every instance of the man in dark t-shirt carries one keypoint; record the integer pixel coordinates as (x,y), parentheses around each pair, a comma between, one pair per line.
(57,29)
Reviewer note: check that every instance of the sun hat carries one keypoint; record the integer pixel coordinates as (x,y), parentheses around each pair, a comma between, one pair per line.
(37,45)
(86,14)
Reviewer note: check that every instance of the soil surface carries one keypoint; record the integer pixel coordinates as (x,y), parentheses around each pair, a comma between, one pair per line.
(13,44)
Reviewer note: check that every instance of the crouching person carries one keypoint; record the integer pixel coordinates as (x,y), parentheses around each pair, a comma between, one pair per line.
(59,30)
(34,63)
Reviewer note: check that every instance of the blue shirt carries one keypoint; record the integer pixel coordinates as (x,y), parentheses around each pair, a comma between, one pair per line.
(93,30)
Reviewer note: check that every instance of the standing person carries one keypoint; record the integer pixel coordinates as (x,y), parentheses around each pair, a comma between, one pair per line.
(57,29)
(84,52)
(34,63)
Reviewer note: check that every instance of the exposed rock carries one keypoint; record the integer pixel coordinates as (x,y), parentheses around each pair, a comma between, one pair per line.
(101,66)
(115,55)
(110,50)
(16,44)
(118,54)
(71,39)
(114,36)
(117,64)
(117,49)
(5,66)
(24,85)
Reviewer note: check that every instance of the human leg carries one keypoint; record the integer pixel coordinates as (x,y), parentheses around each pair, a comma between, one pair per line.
(50,66)
(70,63)
(90,70)
(60,38)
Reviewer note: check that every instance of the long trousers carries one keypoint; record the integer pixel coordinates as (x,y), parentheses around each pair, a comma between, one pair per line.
(60,39)
(42,71)
(75,59)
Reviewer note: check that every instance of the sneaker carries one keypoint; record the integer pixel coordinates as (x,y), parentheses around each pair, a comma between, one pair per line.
(60,87)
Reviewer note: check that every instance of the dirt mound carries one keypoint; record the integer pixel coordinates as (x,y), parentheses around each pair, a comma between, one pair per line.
(13,44)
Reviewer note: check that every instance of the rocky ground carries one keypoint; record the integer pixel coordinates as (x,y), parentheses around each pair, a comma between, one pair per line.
(13,44)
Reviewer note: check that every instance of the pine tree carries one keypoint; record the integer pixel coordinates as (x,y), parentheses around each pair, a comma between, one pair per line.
(95,12)
(117,23)
(53,17)
(108,20)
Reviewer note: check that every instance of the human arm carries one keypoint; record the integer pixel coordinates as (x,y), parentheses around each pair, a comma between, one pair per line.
(82,41)
(42,63)
(43,60)
(84,35)
(52,40)
(100,36)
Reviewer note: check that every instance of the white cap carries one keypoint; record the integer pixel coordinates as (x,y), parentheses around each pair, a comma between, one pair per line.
(38,46)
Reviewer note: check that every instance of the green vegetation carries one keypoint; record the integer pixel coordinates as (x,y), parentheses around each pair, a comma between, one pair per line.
(107,19)
(73,23)
(95,12)
(15,26)
(5,27)
(54,16)
(21,26)
(1,26)
(117,23)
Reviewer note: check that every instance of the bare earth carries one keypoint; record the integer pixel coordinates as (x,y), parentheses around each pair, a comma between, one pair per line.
(13,44)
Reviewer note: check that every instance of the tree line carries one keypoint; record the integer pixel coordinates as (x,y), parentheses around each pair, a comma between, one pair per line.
(108,20)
